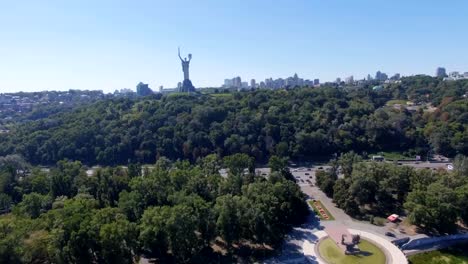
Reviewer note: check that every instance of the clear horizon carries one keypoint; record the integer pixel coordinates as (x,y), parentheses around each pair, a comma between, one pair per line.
(109,45)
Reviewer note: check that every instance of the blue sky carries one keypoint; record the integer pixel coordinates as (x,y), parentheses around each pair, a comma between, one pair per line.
(112,44)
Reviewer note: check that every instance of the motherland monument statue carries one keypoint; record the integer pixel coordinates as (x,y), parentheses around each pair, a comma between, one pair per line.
(187,85)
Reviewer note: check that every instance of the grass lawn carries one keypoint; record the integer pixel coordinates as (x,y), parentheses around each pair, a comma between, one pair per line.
(392,155)
(317,212)
(444,256)
(392,102)
(331,253)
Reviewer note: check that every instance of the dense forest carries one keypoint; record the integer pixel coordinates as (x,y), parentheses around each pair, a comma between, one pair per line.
(174,213)
(181,210)
(300,123)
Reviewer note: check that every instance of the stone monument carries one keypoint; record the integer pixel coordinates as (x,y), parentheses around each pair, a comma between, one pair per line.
(187,85)
(351,247)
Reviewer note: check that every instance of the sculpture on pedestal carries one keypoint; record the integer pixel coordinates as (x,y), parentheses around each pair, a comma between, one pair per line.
(186,84)
(351,247)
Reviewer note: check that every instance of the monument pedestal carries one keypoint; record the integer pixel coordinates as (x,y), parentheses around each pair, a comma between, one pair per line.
(187,87)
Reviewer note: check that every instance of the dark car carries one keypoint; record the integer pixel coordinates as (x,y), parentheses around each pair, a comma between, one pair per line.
(320,168)
(307,173)
(390,234)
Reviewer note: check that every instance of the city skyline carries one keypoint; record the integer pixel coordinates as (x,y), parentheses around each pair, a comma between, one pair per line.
(104,46)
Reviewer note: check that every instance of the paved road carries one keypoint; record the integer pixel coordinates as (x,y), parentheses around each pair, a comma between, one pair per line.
(429,244)
(315,193)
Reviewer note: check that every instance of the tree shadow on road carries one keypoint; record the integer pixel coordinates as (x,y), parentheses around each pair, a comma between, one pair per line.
(312,222)
(292,249)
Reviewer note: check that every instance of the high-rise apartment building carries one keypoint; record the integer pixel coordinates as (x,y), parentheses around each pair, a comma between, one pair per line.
(253,84)
(441,72)
(143,89)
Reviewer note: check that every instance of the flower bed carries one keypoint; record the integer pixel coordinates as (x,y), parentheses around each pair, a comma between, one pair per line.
(320,210)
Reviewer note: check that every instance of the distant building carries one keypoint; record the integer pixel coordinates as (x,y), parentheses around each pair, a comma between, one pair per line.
(126,91)
(170,90)
(338,80)
(293,81)
(316,81)
(453,76)
(369,77)
(395,77)
(441,72)
(123,92)
(237,82)
(143,89)
(253,84)
(227,83)
(179,85)
(349,80)
(380,76)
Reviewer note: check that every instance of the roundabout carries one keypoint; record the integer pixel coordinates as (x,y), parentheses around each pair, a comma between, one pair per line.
(372,249)
(369,253)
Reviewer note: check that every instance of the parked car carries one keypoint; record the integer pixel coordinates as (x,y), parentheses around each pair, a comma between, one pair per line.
(390,234)
(307,173)
(320,168)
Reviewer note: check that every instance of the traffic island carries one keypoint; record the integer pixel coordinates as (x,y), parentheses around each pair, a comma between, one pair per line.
(367,253)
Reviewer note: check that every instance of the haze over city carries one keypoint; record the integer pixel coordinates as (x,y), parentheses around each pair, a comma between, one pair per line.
(109,45)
